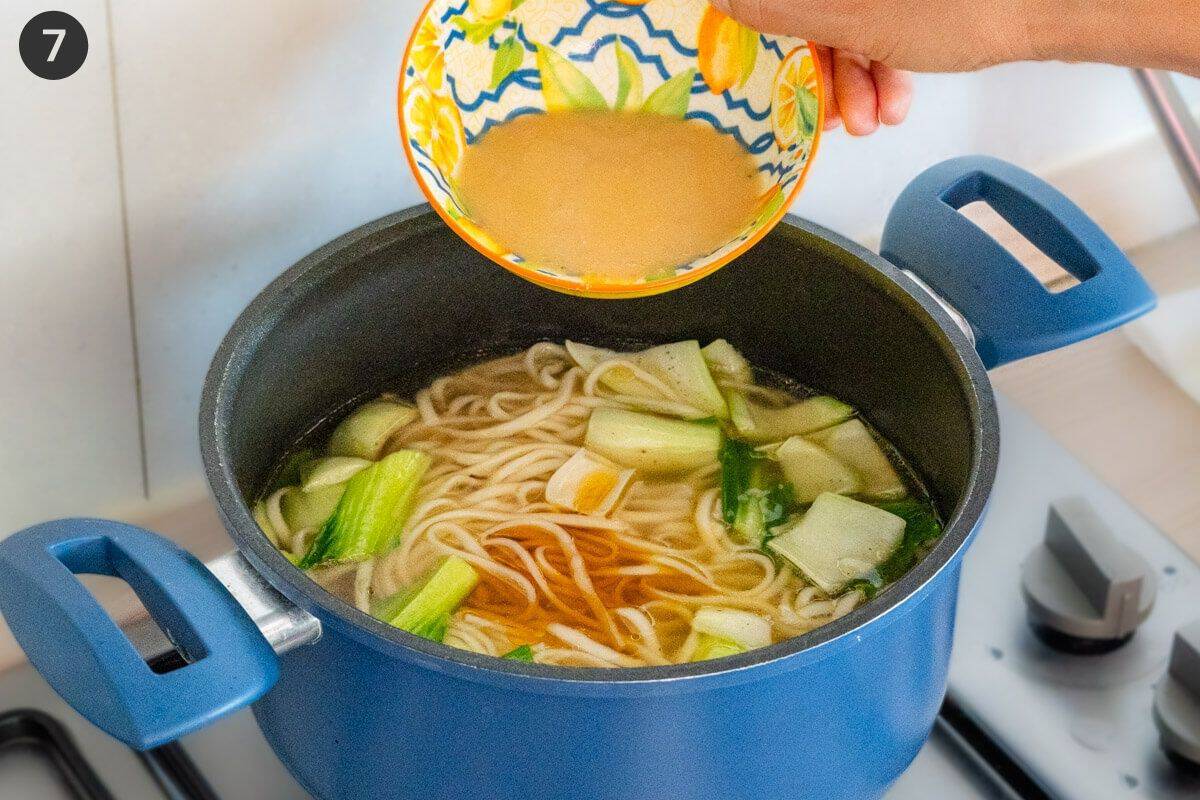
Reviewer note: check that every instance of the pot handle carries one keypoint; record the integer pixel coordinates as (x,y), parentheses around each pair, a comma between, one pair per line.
(90,662)
(1012,314)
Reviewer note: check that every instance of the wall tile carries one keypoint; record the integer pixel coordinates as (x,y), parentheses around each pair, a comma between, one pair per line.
(255,132)
(68,418)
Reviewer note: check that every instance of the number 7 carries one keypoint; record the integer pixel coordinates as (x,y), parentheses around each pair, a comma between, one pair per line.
(58,34)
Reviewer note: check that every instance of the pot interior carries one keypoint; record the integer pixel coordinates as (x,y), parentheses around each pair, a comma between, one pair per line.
(404,300)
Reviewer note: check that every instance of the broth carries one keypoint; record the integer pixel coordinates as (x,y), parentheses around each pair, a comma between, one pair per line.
(576,506)
(608,196)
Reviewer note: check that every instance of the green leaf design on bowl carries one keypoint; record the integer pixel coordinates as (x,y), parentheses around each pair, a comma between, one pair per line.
(476,32)
(749,52)
(564,86)
(629,80)
(509,57)
(672,98)
(807,111)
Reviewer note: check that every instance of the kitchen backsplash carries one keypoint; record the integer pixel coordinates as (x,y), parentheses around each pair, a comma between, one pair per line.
(204,147)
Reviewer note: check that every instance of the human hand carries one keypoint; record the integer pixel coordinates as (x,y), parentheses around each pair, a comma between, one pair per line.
(867,46)
(929,36)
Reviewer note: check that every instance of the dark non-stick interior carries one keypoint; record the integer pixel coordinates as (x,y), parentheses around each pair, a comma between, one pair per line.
(409,301)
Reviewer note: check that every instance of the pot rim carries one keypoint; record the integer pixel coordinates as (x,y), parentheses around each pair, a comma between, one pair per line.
(257,320)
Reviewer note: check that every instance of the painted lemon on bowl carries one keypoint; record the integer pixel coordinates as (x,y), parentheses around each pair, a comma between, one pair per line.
(795,112)
(473,65)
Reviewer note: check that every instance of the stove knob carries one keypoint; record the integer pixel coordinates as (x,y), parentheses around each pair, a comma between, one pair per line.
(1085,591)
(1177,699)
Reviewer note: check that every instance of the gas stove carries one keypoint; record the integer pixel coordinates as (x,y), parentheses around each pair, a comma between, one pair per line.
(1023,719)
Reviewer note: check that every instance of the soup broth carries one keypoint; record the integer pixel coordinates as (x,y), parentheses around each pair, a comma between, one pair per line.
(575,506)
(610,197)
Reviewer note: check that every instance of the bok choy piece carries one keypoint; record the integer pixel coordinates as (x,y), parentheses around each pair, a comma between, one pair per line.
(840,540)
(726,362)
(370,515)
(763,507)
(921,529)
(309,509)
(322,473)
(679,366)
(366,431)
(682,367)
(652,444)
(754,498)
(852,443)
(425,611)
(728,631)
(710,647)
(523,653)
(761,424)
(812,470)
(259,512)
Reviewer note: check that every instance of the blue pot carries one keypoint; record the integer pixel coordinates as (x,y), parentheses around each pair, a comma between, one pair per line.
(367,710)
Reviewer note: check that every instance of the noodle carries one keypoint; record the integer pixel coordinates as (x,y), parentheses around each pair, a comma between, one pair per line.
(582,590)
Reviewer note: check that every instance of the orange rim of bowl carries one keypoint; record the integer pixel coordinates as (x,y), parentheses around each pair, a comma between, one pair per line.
(610,291)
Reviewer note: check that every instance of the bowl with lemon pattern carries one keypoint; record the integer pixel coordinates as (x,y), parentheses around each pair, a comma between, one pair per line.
(471,65)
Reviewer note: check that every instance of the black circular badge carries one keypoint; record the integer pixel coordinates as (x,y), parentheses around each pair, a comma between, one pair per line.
(53,45)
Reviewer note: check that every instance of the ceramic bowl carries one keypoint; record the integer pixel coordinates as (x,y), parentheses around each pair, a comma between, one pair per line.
(471,65)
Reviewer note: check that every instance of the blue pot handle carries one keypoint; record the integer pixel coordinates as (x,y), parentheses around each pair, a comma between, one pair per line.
(1012,314)
(88,660)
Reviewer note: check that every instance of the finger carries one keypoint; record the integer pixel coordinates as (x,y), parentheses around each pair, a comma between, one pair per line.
(894,89)
(854,89)
(833,117)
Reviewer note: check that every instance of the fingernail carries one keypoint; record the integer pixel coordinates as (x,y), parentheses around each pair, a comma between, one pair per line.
(858,127)
(896,109)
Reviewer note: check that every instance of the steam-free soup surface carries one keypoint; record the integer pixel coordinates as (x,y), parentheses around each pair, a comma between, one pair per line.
(608,196)
(575,506)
